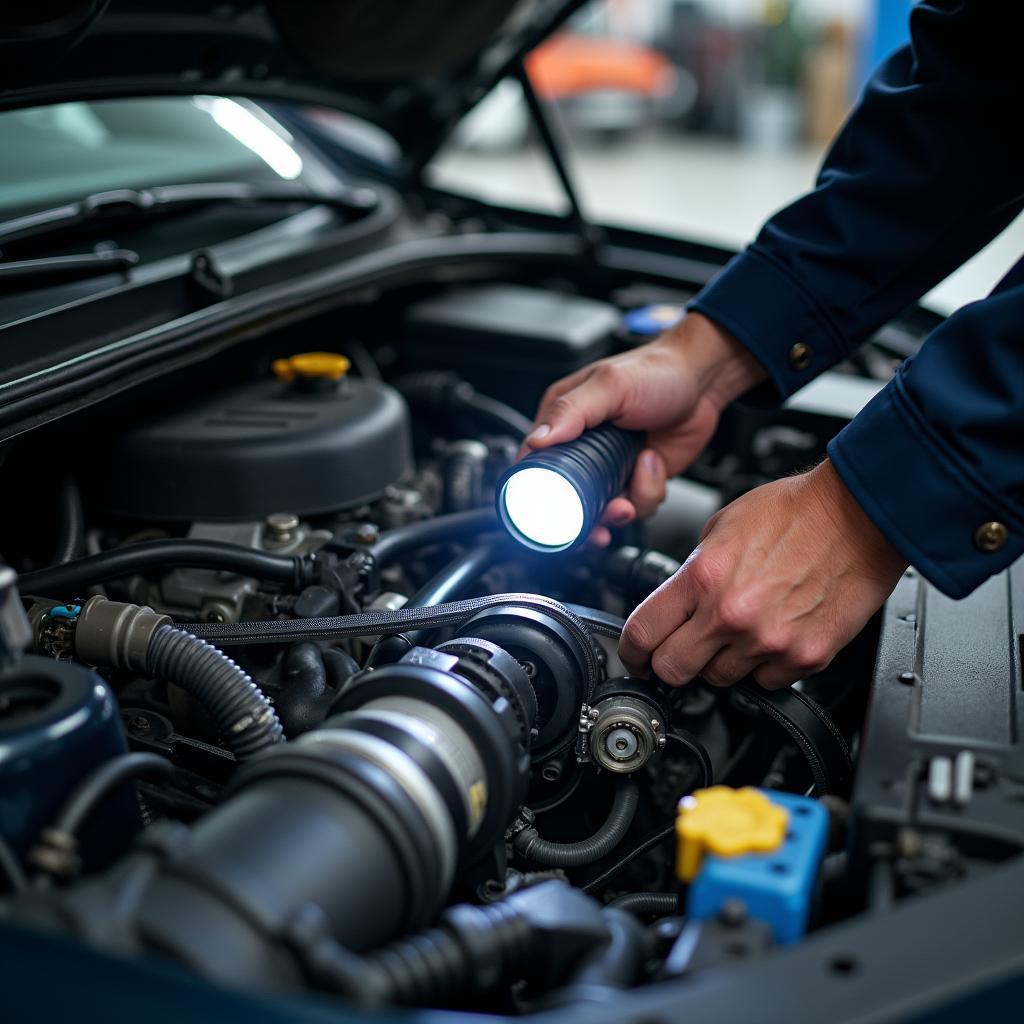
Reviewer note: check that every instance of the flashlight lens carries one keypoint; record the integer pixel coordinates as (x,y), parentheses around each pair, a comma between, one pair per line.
(543,507)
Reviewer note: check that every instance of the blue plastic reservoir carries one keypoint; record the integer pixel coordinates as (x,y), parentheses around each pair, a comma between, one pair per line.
(777,887)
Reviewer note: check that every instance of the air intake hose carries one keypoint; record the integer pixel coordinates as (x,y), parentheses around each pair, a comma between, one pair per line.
(350,835)
(137,638)
(245,718)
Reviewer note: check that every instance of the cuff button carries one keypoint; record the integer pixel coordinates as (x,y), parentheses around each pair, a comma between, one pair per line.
(800,356)
(991,536)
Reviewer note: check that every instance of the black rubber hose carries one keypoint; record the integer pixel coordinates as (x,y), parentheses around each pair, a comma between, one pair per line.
(105,780)
(644,846)
(443,392)
(457,575)
(573,855)
(658,904)
(71,533)
(74,577)
(458,527)
(452,581)
(491,943)
(499,415)
(10,868)
(246,718)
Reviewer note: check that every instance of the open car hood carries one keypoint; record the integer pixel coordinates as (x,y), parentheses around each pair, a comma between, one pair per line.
(412,68)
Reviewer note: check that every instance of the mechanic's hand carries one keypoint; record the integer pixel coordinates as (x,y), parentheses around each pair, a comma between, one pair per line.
(673,388)
(783,578)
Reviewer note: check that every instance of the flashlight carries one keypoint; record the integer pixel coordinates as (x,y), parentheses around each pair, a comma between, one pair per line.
(550,500)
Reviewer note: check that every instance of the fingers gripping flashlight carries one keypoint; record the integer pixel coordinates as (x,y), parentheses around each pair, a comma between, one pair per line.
(551,499)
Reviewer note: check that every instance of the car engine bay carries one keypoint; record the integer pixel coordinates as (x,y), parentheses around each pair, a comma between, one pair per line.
(283,704)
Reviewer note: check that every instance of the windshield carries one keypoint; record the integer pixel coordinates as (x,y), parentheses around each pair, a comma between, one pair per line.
(67,150)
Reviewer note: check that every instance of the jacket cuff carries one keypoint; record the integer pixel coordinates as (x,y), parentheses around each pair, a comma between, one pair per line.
(768,311)
(928,503)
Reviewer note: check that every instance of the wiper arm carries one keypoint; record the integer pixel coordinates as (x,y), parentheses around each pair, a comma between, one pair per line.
(56,269)
(126,204)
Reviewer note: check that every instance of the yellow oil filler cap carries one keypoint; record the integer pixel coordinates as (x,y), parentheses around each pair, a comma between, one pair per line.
(727,822)
(329,366)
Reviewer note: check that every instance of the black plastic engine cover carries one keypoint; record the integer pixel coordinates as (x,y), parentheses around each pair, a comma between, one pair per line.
(508,341)
(265,447)
(941,752)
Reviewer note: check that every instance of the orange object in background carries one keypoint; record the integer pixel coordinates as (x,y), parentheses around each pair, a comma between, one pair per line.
(569,65)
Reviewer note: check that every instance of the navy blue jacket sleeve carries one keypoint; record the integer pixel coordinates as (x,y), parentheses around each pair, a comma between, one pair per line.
(924,173)
(936,459)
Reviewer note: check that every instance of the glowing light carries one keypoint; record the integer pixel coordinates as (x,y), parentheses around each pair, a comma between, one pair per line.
(544,507)
(252,133)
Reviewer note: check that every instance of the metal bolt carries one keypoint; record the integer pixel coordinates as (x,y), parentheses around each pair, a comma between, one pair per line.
(732,913)
(281,526)
(908,678)
(621,743)
(139,723)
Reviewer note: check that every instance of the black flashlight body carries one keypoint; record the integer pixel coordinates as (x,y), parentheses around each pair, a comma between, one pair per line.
(597,464)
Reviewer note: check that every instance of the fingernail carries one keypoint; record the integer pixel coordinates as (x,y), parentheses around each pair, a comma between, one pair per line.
(651,462)
(539,433)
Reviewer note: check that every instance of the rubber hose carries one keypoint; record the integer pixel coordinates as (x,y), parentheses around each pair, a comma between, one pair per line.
(74,577)
(443,392)
(103,781)
(658,904)
(457,526)
(493,943)
(500,415)
(71,534)
(586,851)
(649,843)
(452,581)
(456,576)
(244,715)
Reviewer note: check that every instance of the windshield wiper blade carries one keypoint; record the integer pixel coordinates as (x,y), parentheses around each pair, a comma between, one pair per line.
(56,269)
(127,204)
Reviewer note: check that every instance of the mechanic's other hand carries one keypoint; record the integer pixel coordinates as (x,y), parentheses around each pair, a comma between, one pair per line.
(782,579)
(673,388)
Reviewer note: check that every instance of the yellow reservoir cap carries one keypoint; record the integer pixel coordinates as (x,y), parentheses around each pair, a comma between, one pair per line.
(726,822)
(311,366)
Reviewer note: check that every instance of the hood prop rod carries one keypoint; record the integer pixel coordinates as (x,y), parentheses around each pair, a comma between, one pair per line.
(549,132)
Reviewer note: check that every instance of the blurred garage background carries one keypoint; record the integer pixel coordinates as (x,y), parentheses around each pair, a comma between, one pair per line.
(693,117)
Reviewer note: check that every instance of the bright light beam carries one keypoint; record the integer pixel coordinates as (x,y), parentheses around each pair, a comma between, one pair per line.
(543,507)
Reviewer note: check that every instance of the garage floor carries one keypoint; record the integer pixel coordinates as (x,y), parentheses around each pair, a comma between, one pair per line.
(715,191)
